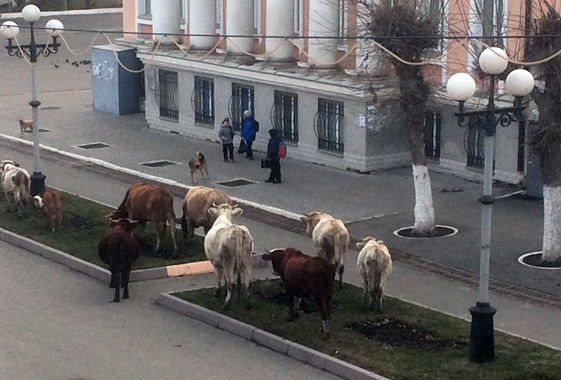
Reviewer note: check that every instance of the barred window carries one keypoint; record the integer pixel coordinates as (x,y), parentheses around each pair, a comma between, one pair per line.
(242,99)
(202,100)
(328,125)
(474,144)
(284,115)
(166,94)
(433,122)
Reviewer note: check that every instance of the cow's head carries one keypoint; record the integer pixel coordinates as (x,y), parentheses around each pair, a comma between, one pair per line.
(311,219)
(366,240)
(275,257)
(38,201)
(226,210)
(118,214)
(124,223)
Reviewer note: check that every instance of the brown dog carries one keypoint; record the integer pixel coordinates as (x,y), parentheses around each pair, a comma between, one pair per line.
(198,163)
(25,126)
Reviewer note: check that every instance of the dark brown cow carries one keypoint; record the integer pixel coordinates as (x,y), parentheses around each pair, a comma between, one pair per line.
(118,249)
(304,276)
(146,202)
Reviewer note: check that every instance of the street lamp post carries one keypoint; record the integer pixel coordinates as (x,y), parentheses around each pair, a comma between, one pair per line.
(461,87)
(31,51)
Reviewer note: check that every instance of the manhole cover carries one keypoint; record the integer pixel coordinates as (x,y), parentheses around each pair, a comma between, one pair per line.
(43,130)
(534,260)
(236,182)
(159,163)
(440,231)
(49,108)
(96,145)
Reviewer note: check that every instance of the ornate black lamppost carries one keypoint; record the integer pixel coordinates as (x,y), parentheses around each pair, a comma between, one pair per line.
(31,51)
(461,87)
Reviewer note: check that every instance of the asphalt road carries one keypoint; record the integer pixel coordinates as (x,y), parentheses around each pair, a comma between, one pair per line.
(59,324)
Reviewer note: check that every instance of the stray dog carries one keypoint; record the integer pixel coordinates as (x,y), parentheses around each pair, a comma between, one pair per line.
(25,126)
(198,163)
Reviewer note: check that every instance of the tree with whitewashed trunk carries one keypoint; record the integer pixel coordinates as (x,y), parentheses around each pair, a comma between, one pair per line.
(402,21)
(546,141)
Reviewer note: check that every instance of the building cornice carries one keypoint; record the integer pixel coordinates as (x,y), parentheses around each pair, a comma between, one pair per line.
(307,83)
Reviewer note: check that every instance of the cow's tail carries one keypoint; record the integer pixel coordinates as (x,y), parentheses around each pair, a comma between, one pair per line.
(375,272)
(328,247)
(238,259)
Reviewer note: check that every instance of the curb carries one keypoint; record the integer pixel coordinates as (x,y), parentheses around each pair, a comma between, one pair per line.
(102,274)
(149,177)
(294,350)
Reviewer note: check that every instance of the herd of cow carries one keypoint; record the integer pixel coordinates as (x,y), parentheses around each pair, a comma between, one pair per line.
(228,246)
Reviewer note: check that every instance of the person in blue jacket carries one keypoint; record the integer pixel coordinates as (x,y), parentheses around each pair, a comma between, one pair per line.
(248,132)
(273,148)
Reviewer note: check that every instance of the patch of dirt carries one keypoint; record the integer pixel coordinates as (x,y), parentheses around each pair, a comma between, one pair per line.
(400,334)
(76,221)
(536,261)
(440,231)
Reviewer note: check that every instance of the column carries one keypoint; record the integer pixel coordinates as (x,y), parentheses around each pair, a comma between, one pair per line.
(166,18)
(202,20)
(239,21)
(280,22)
(323,22)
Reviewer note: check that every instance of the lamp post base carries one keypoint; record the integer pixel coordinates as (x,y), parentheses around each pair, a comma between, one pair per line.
(37,183)
(482,335)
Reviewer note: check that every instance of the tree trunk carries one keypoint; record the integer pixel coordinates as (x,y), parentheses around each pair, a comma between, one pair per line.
(415,92)
(550,162)
(546,143)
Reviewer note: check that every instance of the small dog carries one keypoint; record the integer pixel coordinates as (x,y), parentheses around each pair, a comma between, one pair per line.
(25,126)
(198,163)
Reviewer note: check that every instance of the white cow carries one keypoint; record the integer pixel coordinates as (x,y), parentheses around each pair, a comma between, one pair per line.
(15,184)
(330,237)
(374,265)
(229,248)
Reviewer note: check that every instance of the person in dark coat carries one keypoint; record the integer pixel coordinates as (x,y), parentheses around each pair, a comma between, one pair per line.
(248,133)
(273,155)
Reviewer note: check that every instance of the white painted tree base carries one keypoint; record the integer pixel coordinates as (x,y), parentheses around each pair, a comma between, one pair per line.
(424,207)
(551,223)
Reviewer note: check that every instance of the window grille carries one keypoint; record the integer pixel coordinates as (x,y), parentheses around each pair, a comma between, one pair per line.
(219,16)
(257,17)
(433,123)
(166,94)
(474,144)
(242,99)
(284,115)
(202,100)
(299,17)
(328,125)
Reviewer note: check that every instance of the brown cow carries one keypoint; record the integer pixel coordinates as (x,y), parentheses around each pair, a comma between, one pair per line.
(304,276)
(49,203)
(195,209)
(118,249)
(146,202)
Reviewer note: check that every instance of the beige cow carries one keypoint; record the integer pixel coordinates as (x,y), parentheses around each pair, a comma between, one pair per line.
(374,265)
(16,186)
(330,237)
(229,248)
(198,201)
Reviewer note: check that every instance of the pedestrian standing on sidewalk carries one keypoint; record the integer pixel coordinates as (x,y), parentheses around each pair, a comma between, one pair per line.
(226,135)
(273,155)
(249,128)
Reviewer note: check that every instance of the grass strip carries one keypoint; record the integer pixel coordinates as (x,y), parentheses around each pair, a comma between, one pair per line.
(84,222)
(406,342)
